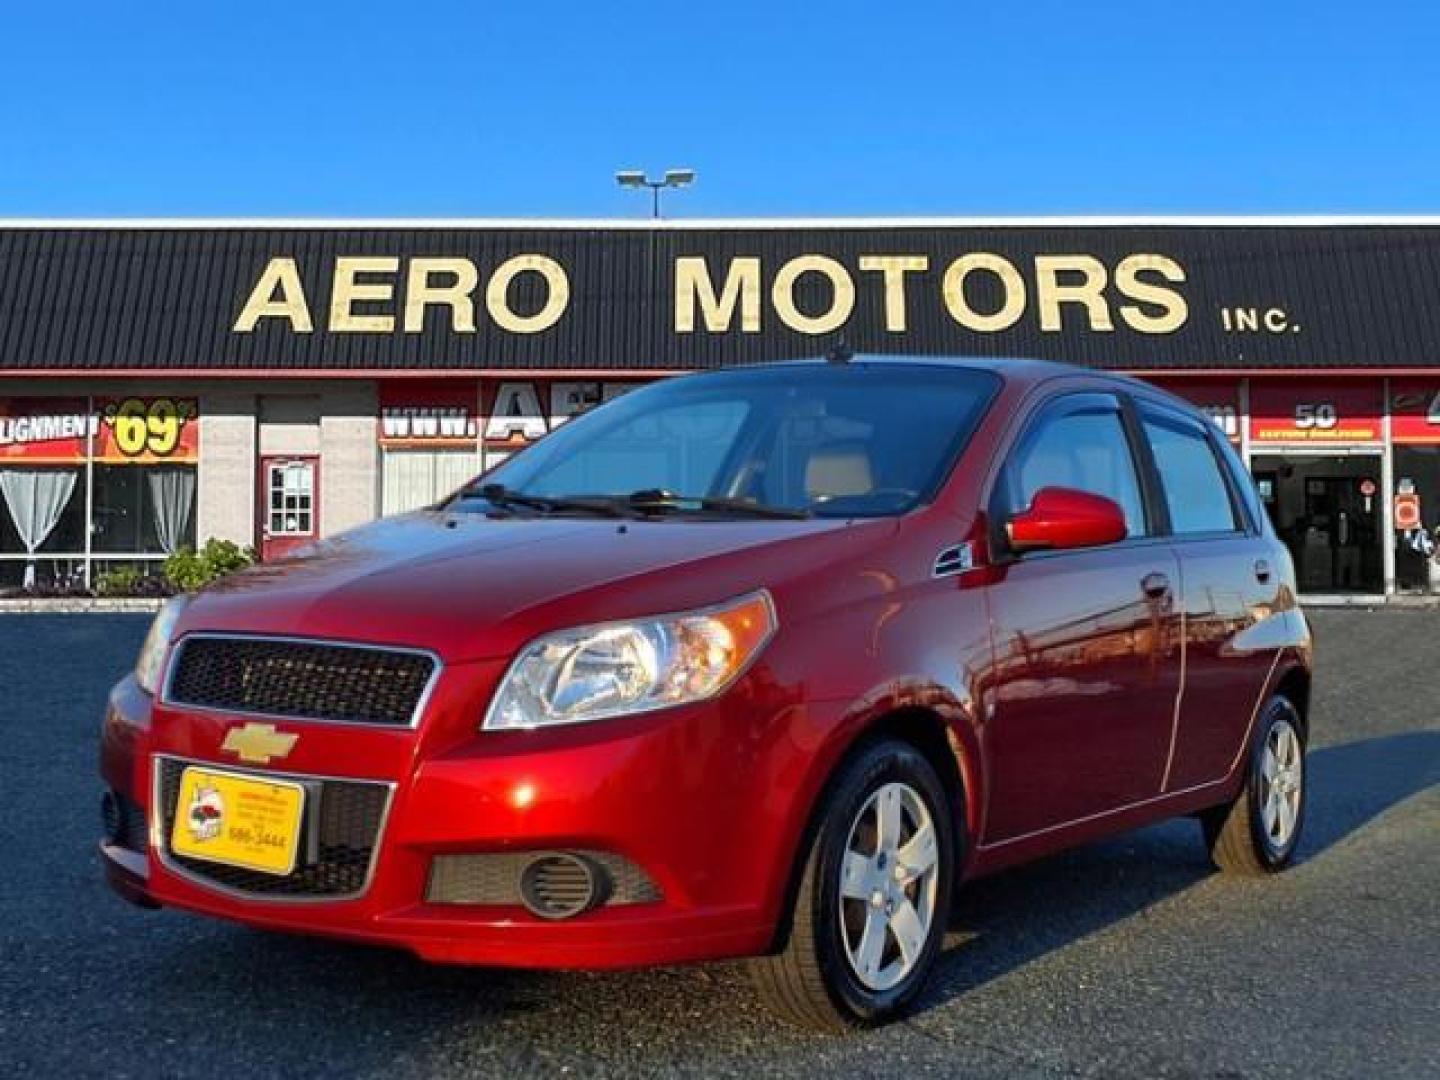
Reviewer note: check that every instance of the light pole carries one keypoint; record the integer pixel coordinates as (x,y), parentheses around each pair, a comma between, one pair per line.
(673,178)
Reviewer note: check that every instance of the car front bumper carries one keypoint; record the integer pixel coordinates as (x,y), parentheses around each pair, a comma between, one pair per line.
(709,801)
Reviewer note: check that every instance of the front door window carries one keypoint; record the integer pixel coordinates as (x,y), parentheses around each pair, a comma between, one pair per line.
(288,505)
(292,496)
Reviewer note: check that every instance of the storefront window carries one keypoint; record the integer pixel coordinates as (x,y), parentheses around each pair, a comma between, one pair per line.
(42,574)
(144,509)
(129,463)
(44,515)
(1417,519)
(415,478)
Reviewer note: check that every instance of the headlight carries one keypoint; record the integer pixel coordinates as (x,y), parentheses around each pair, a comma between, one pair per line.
(619,668)
(151,661)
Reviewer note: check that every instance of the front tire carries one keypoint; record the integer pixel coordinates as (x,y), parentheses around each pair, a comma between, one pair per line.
(1257,833)
(871,909)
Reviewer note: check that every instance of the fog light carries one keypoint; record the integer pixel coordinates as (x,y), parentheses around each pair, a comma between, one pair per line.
(559,885)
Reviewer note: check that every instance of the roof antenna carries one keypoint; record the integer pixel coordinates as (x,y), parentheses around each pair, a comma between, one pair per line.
(841,353)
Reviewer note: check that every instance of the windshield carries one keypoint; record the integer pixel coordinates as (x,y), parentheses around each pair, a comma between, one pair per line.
(832,441)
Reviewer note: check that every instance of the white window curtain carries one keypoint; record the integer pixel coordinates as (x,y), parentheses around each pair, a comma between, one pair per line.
(416,478)
(36,498)
(172,495)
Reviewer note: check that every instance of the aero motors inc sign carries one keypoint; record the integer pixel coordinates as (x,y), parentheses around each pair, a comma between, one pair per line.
(597,299)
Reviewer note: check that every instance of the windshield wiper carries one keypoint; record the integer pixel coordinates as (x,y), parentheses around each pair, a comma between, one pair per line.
(498,495)
(652,501)
(657,501)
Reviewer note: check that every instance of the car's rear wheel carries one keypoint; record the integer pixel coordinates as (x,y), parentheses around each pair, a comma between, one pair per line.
(1259,831)
(870,912)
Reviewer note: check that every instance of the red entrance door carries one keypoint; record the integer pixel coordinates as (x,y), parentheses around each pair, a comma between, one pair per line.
(289,511)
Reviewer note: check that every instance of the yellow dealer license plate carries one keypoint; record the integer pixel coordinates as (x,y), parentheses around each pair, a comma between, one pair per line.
(240,821)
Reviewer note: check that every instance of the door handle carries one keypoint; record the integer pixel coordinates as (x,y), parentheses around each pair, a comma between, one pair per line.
(1155,585)
(1262,571)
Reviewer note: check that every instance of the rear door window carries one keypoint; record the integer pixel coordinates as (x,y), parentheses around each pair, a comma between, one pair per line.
(1196,494)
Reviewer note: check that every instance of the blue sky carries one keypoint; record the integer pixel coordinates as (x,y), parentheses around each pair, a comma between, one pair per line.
(483,108)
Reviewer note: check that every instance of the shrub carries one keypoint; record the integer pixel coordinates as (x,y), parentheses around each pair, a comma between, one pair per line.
(188,570)
(132,581)
(121,581)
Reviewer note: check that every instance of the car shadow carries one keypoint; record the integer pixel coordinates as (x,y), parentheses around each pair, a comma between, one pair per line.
(391,1006)
(1004,922)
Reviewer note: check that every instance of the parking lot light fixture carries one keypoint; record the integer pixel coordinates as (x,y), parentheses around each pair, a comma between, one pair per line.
(672,178)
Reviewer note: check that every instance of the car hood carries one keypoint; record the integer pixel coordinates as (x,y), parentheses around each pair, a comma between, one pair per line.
(468,586)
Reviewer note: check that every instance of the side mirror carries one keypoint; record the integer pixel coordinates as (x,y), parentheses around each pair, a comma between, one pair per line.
(1060,518)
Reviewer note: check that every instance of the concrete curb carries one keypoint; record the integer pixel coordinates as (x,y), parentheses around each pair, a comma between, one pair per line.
(74,605)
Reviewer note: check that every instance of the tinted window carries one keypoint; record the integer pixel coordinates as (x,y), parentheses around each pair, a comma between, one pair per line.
(1087,451)
(862,439)
(1245,484)
(1195,490)
(679,448)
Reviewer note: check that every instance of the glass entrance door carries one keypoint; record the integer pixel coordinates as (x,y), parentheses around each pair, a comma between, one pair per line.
(1327,511)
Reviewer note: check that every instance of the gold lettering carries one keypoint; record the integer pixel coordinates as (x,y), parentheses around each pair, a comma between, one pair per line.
(693,285)
(421,292)
(497,294)
(1050,294)
(956,302)
(280,275)
(895,267)
(842,294)
(347,292)
(1173,310)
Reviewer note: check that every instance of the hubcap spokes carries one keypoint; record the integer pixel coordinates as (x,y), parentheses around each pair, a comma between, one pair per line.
(1282,779)
(888,885)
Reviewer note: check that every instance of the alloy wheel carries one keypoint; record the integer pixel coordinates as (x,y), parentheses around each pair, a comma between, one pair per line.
(888,884)
(1282,777)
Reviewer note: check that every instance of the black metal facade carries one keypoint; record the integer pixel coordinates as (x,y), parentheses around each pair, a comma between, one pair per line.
(152,300)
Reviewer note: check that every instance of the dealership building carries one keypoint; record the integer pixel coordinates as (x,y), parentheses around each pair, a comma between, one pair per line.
(268,382)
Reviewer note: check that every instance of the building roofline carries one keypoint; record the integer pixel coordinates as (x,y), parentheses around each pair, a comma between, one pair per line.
(683,224)
(75,374)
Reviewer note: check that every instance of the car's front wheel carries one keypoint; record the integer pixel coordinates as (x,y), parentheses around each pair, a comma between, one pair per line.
(1259,831)
(870,912)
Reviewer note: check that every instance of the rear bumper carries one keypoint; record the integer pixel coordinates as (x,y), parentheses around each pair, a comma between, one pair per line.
(704,800)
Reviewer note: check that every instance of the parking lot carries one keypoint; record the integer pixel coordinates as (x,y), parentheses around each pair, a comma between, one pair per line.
(1130,958)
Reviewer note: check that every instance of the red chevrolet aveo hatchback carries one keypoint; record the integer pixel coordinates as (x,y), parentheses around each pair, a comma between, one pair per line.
(764,662)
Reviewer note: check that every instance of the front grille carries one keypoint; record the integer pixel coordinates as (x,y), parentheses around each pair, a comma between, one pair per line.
(302,679)
(339,835)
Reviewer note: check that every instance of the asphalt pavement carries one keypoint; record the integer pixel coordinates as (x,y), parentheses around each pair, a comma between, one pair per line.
(1130,958)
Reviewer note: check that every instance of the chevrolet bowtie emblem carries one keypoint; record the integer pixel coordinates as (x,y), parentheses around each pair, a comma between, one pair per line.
(258,743)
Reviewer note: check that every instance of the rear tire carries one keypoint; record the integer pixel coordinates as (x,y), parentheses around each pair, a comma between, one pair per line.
(873,902)
(1257,833)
